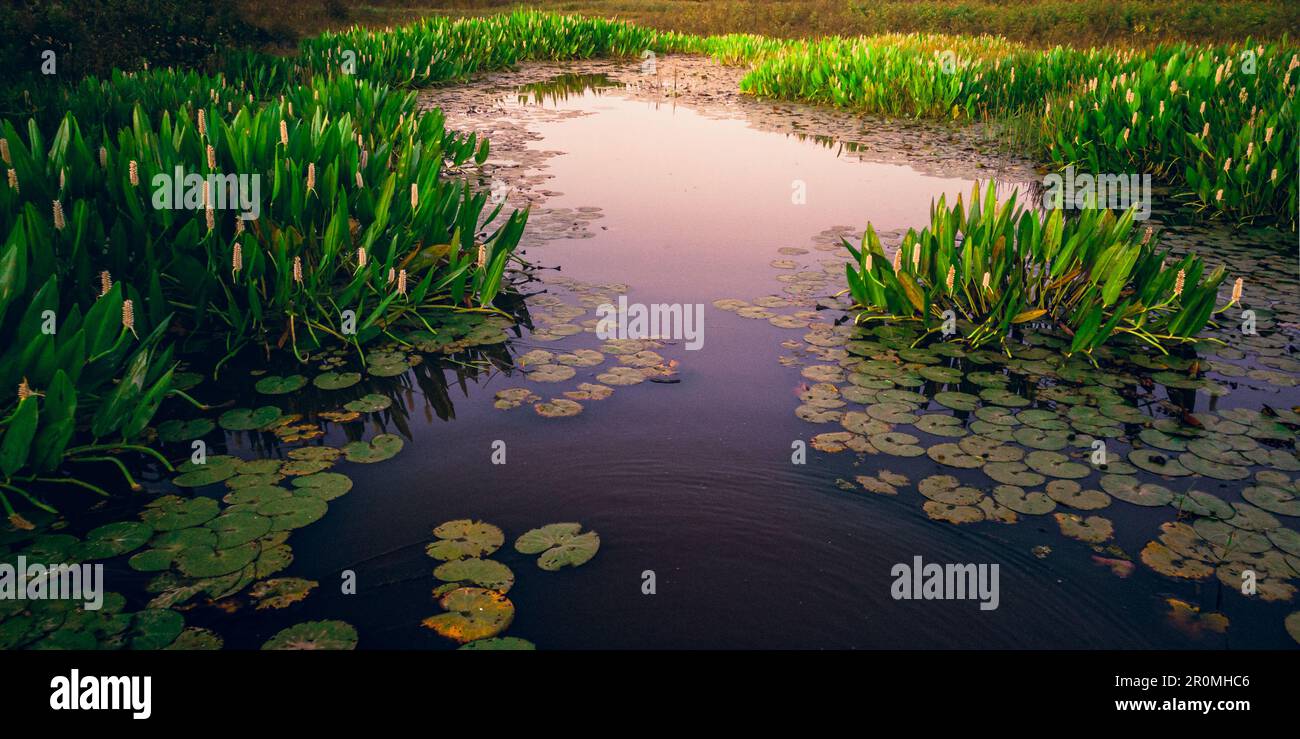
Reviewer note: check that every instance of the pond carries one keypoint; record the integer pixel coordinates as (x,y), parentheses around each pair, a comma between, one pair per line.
(670,188)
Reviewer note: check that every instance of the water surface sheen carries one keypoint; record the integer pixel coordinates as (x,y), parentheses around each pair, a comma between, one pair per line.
(694,480)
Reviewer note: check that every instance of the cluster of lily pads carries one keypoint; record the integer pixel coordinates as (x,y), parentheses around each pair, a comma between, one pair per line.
(473,594)
(635,360)
(1014,434)
(227,549)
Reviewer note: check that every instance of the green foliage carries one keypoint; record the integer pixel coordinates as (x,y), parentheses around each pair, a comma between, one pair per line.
(1221,120)
(997,266)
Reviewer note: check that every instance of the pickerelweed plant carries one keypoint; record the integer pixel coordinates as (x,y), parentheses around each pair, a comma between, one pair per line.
(996,266)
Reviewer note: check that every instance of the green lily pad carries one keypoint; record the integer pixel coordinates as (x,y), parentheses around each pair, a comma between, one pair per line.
(1013,473)
(507,643)
(1215,470)
(155,628)
(952,455)
(209,562)
(234,528)
(277,385)
(214,469)
(1157,462)
(558,408)
(274,558)
(472,614)
(170,512)
(894,413)
(954,514)
(249,419)
(947,489)
(1128,489)
(897,444)
(1070,493)
(990,449)
(371,403)
(293,512)
(194,638)
(1092,529)
(1200,503)
(1030,504)
(113,539)
(324,485)
(560,545)
(464,538)
(484,573)
(941,425)
(1036,438)
(281,592)
(176,430)
(957,401)
(336,380)
(380,448)
(255,495)
(1251,518)
(330,635)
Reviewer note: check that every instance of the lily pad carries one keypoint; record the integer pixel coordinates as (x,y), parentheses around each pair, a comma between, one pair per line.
(1093,529)
(154,628)
(293,512)
(560,545)
(370,403)
(170,512)
(464,538)
(194,639)
(208,562)
(1070,493)
(277,385)
(281,592)
(472,614)
(380,448)
(238,527)
(336,380)
(484,573)
(249,419)
(499,643)
(558,408)
(1157,462)
(1055,464)
(324,485)
(953,456)
(1030,504)
(947,489)
(331,635)
(1128,489)
(176,430)
(113,539)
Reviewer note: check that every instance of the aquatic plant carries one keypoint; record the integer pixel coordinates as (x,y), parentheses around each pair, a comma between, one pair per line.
(997,266)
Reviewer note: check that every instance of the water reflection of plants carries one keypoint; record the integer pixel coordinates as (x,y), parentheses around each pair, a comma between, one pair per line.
(561,87)
(995,266)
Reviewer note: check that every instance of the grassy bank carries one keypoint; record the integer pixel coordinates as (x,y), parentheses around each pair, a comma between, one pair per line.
(1037,22)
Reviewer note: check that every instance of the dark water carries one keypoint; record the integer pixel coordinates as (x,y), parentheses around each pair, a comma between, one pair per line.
(693,481)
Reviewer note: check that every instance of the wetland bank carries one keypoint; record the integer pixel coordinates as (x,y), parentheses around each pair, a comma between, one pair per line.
(505,476)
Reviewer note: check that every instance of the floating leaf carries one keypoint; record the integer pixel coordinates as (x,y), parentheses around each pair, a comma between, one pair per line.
(324,485)
(336,380)
(560,545)
(472,614)
(464,538)
(277,385)
(281,592)
(499,643)
(380,448)
(482,572)
(332,635)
